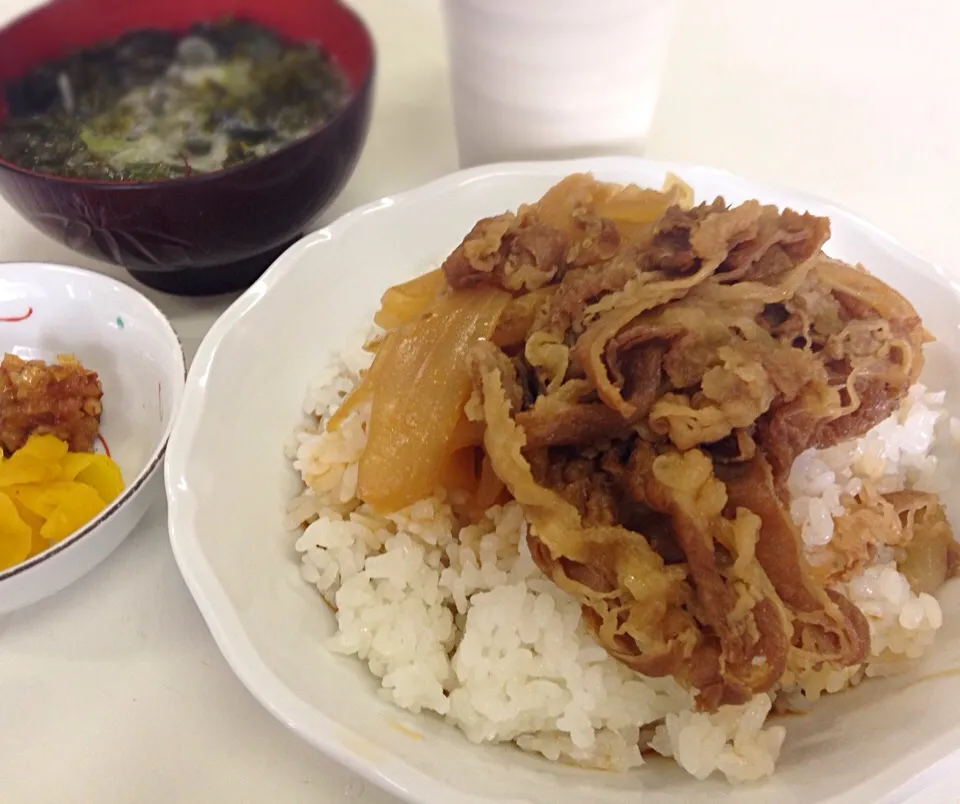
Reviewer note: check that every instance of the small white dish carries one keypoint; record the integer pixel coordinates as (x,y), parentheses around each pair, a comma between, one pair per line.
(46,310)
(228,481)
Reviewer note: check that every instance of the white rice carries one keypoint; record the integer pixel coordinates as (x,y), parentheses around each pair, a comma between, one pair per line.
(459,621)
(894,455)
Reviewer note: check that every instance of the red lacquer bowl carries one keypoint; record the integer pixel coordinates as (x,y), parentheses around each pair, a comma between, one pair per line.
(200,234)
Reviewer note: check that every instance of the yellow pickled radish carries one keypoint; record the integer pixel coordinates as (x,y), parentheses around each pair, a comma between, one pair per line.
(48,492)
(73,463)
(74,510)
(43,448)
(103,475)
(39,498)
(28,516)
(37,544)
(37,461)
(43,499)
(16,536)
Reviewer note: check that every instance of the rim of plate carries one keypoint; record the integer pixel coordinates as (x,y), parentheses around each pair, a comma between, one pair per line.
(156,456)
(892,784)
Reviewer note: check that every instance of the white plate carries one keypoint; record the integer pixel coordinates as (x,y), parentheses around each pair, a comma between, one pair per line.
(112,329)
(227,482)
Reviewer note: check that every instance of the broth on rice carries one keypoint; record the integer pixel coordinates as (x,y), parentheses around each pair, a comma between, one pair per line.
(629,473)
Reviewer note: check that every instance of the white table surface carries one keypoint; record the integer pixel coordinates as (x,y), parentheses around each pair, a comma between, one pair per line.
(113,691)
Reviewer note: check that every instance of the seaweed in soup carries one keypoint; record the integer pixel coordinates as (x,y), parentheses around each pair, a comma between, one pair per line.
(155,104)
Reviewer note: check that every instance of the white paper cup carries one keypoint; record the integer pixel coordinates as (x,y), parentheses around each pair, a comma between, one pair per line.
(545,79)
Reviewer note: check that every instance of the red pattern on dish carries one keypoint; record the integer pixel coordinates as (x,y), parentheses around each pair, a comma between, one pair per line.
(13,319)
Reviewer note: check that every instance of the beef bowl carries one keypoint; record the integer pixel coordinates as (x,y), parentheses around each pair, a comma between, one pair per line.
(189,141)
